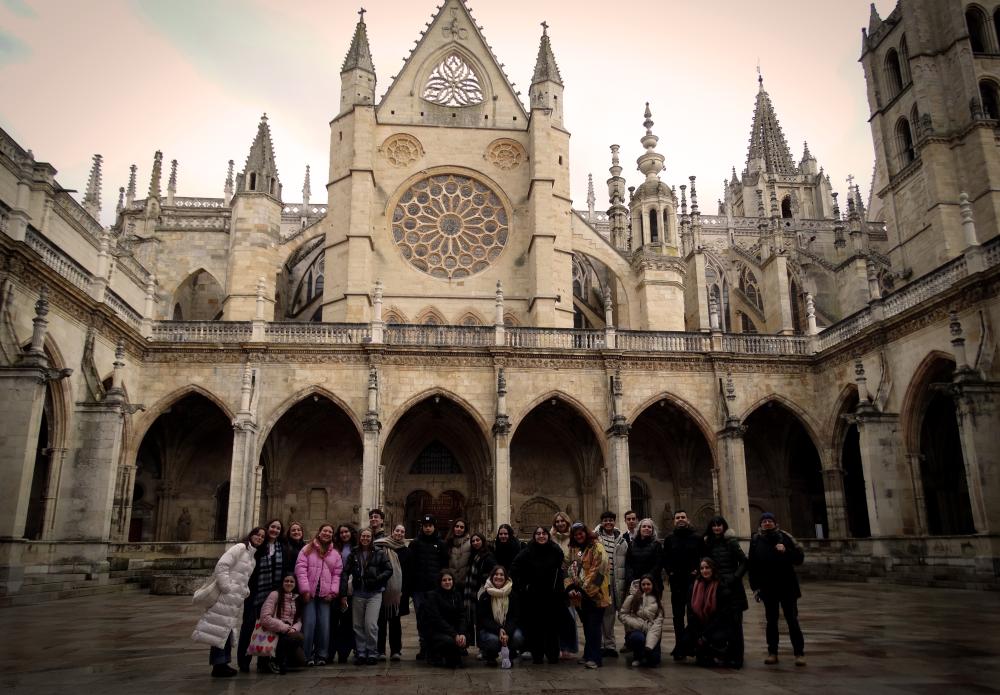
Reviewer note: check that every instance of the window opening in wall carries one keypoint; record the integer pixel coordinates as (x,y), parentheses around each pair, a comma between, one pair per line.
(654,229)
(904,61)
(893,75)
(435,459)
(786,206)
(904,142)
(996,22)
(975,21)
(253,181)
(991,99)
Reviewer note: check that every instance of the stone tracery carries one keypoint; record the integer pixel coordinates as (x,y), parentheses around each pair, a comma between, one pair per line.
(453,83)
(450,226)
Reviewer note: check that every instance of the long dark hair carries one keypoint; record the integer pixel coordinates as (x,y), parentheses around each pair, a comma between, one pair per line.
(339,544)
(288,537)
(711,563)
(279,541)
(279,609)
(451,530)
(254,530)
(510,534)
(634,606)
(590,538)
(709,536)
(486,543)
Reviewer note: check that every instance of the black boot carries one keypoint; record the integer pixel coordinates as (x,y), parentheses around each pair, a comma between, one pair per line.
(223,671)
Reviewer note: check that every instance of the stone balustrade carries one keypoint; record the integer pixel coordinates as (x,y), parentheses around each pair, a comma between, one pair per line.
(925,287)
(560,338)
(57,260)
(299,333)
(121,307)
(201,331)
(756,344)
(663,341)
(454,336)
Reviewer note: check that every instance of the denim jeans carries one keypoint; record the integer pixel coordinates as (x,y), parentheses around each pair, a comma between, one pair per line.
(636,641)
(592,618)
(217,656)
(366,609)
(316,628)
(489,643)
(569,641)
(418,600)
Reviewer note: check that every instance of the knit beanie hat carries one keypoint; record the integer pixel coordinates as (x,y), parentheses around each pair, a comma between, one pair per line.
(767,515)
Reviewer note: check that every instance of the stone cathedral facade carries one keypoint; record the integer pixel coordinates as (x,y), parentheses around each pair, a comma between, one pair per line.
(446,333)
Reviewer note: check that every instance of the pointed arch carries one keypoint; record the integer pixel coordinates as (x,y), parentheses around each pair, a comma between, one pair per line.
(706,429)
(431,316)
(165,402)
(509,319)
(394,315)
(811,425)
(915,399)
(291,401)
(581,409)
(835,425)
(401,410)
(198,297)
(470,318)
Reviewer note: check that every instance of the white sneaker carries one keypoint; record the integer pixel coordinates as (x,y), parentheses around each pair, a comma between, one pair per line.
(504,657)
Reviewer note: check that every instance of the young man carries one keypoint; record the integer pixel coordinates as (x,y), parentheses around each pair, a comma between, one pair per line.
(616,548)
(631,526)
(771,564)
(376,522)
(428,556)
(682,551)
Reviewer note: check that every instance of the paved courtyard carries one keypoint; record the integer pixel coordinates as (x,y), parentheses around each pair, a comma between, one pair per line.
(859,639)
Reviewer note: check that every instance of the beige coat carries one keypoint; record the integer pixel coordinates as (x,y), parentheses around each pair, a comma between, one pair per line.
(648,619)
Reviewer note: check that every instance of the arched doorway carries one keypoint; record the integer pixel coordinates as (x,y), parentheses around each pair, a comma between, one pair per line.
(556,463)
(198,298)
(784,473)
(670,456)
(934,423)
(311,461)
(183,460)
(437,461)
(34,525)
(855,492)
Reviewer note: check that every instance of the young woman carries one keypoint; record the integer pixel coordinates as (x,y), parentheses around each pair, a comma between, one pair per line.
(588,589)
(396,597)
(266,577)
(569,643)
(459,552)
(318,571)
(481,563)
(538,575)
(281,614)
(642,616)
(497,616)
(506,546)
(223,600)
(723,547)
(295,540)
(341,615)
(644,556)
(369,571)
(442,622)
(711,632)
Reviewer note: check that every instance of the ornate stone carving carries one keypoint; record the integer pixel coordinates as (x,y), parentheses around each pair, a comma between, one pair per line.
(450,226)
(401,149)
(453,83)
(505,154)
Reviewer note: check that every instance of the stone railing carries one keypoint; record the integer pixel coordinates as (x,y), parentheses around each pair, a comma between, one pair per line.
(202,331)
(848,328)
(925,287)
(67,207)
(57,260)
(298,333)
(121,307)
(456,336)
(755,344)
(199,203)
(991,252)
(662,341)
(565,338)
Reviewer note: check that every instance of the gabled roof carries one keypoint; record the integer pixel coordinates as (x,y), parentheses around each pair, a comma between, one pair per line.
(767,141)
(454,22)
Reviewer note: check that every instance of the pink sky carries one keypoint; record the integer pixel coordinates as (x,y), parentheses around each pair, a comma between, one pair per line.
(126,77)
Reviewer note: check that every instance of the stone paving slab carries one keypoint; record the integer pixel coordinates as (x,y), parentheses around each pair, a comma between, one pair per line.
(860,638)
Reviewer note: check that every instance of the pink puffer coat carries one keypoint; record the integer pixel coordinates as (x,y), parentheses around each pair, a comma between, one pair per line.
(313,567)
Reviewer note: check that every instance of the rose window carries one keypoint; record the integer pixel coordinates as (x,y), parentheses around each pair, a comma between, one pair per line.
(453,83)
(450,226)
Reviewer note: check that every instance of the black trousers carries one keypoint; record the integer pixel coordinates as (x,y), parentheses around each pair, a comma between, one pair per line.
(341,630)
(680,591)
(250,615)
(790,607)
(443,647)
(391,625)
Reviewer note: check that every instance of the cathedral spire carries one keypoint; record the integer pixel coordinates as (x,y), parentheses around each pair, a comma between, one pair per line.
(768,149)
(306,188)
(359,55)
(546,69)
(92,198)
(260,173)
(130,191)
(172,182)
(154,178)
(227,191)
(650,162)
(591,198)
(874,21)
(121,200)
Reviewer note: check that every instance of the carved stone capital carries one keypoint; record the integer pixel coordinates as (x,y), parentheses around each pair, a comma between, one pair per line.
(619,427)
(371,423)
(501,426)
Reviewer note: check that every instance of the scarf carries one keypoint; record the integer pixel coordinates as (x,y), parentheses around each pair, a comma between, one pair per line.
(269,567)
(499,600)
(394,589)
(703,598)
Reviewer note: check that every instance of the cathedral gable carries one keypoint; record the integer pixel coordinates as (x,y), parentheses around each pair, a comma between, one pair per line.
(452,78)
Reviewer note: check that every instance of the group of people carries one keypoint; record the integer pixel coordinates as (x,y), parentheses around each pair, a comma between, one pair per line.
(312,601)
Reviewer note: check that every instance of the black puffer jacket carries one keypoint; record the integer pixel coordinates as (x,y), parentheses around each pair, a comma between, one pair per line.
(772,572)
(730,564)
(443,613)
(538,573)
(505,553)
(682,553)
(428,556)
(370,577)
(644,557)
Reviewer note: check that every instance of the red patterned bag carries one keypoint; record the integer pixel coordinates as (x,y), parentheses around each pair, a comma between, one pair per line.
(262,642)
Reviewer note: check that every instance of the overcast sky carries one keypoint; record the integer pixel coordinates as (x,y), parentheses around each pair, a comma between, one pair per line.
(124,78)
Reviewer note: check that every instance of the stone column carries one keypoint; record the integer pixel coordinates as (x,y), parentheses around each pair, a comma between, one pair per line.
(833,491)
(619,474)
(122,518)
(378,325)
(57,457)
(498,327)
(977,404)
(888,487)
(914,462)
(371,485)
(734,499)
(502,513)
(609,321)
(243,468)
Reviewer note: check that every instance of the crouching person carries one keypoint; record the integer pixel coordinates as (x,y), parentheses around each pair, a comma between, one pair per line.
(282,615)
(442,622)
(642,616)
(497,614)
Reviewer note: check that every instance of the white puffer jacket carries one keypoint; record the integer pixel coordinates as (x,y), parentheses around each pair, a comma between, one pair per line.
(232,574)
(648,618)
